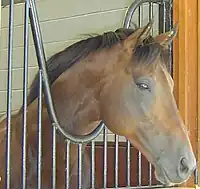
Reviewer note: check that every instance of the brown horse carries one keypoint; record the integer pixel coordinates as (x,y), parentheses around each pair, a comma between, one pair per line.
(120,78)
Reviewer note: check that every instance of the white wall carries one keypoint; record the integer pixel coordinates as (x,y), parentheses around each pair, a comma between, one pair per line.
(62,23)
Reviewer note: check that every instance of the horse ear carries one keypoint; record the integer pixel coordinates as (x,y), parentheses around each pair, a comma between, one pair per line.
(166,38)
(137,37)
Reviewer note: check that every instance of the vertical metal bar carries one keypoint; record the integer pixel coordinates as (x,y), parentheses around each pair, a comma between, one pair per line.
(139,168)
(9,94)
(150,10)
(80,166)
(54,159)
(39,157)
(93,164)
(168,26)
(41,59)
(150,174)
(151,14)
(128,168)
(67,163)
(168,15)
(116,159)
(105,159)
(196,175)
(139,155)
(150,17)
(139,13)
(164,17)
(161,18)
(25,90)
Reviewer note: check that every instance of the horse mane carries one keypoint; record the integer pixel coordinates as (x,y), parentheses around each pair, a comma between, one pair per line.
(66,58)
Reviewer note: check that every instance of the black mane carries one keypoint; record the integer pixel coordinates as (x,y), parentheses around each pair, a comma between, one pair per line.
(63,60)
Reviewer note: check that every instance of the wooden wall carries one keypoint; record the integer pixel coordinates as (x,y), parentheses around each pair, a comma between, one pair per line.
(186,66)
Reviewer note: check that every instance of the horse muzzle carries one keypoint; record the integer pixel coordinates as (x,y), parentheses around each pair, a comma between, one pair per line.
(180,174)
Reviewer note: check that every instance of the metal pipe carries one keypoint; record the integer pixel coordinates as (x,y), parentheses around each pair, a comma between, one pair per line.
(196,178)
(139,153)
(9,94)
(25,91)
(67,164)
(150,10)
(128,163)
(150,174)
(150,18)
(132,8)
(116,159)
(105,159)
(39,156)
(47,91)
(164,17)
(142,16)
(139,17)
(169,26)
(54,159)
(139,168)
(93,164)
(80,146)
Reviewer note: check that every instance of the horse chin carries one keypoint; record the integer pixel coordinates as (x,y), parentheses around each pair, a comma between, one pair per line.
(162,177)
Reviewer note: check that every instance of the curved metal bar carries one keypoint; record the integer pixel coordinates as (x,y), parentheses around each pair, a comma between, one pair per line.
(133,7)
(34,21)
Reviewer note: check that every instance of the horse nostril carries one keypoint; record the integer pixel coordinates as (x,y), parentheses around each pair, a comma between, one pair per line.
(183,168)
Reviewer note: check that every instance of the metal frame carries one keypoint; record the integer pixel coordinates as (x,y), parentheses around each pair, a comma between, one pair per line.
(165,7)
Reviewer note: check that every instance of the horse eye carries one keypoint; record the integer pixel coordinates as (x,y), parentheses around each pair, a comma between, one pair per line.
(143,86)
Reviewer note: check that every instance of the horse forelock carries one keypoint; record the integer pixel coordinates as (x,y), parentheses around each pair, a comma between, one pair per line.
(148,51)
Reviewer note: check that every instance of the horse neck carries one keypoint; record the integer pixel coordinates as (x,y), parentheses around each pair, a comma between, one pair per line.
(76,93)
